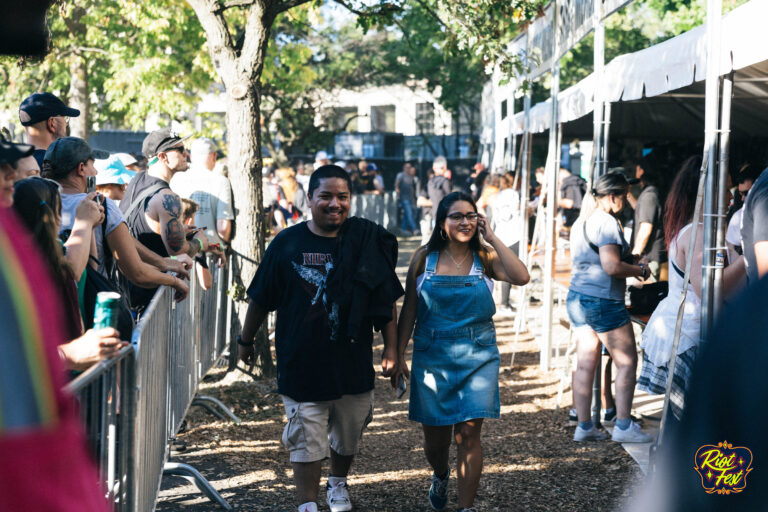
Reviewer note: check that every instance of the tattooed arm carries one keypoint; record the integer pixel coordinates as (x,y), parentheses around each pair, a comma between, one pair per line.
(167,206)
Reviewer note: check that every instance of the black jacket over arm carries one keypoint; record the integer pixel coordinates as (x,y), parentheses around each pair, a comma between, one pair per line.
(363,282)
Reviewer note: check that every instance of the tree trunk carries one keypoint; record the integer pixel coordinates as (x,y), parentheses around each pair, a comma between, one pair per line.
(457,135)
(244,146)
(78,97)
(239,66)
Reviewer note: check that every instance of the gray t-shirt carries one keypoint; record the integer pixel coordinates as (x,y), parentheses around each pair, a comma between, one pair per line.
(213,195)
(69,203)
(754,225)
(587,274)
(407,185)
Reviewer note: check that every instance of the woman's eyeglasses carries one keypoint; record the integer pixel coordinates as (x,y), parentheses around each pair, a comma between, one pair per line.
(458,217)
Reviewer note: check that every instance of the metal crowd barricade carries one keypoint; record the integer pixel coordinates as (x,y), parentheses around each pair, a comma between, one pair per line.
(105,393)
(152,398)
(134,404)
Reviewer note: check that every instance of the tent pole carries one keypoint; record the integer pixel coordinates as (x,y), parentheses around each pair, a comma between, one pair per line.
(512,161)
(597,112)
(549,237)
(525,176)
(525,184)
(714,9)
(552,163)
(522,303)
(606,138)
(722,188)
(706,175)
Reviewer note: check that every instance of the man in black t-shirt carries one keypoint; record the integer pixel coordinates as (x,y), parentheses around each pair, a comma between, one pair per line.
(754,230)
(647,229)
(327,386)
(572,191)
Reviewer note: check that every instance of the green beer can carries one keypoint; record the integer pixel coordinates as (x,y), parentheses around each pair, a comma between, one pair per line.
(105,313)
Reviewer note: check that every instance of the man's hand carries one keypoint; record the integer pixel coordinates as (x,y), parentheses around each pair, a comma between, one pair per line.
(182,289)
(179,265)
(389,365)
(201,246)
(247,354)
(221,258)
(393,365)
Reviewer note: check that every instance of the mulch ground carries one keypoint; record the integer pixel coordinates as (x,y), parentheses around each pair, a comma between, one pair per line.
(531,461)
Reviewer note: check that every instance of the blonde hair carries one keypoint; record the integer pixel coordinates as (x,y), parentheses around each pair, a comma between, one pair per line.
(287,177)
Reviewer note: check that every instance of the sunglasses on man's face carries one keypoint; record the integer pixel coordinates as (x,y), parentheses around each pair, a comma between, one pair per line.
(180,149)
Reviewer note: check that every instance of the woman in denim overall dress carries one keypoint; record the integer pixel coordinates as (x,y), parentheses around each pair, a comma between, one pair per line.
(455,373)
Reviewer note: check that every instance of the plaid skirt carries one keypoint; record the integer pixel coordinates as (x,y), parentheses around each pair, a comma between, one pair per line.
(653,379)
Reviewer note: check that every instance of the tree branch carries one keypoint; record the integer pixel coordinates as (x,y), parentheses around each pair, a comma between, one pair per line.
(288,4)
(351,9)
(218,36)
(258,25)
(232,3)
(432,13)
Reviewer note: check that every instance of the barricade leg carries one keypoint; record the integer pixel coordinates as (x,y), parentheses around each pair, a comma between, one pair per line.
(191,474)
(206,401)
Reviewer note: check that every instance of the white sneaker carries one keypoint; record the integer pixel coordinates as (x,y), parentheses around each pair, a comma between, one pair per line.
(337,497)
(633,434)
(592,434)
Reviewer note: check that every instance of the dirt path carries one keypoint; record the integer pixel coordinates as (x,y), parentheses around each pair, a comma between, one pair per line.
(531,462)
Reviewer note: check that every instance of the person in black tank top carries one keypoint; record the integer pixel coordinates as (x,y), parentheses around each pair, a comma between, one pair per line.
(153,211)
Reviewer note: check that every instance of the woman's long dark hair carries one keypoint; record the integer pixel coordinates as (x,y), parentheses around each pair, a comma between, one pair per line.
(681,200)
(436,241)
(38,203)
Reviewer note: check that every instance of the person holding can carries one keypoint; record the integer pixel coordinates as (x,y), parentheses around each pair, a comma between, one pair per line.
(455,366)
(37,202)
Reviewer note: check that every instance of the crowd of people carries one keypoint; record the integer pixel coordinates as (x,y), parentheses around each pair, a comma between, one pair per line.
(117,222)
(103,222)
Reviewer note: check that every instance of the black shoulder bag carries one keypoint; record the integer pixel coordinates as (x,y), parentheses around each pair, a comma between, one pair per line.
(96,282)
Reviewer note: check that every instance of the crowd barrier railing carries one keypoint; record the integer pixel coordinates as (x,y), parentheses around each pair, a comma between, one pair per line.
(380,208)
(105,393)
(133,405)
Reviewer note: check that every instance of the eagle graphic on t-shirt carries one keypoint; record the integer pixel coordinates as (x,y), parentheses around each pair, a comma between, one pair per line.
(316,278)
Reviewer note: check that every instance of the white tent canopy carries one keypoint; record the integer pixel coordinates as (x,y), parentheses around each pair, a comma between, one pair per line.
(669,66)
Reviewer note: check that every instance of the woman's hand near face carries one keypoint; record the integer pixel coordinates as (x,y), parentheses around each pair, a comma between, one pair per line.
(484,227)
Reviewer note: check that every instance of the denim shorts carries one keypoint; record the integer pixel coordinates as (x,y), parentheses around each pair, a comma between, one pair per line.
(602,315)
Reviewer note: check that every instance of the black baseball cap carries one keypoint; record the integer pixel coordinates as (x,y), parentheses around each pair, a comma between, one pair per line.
(161,140)
(10,152)
(64,154)
(42,105)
